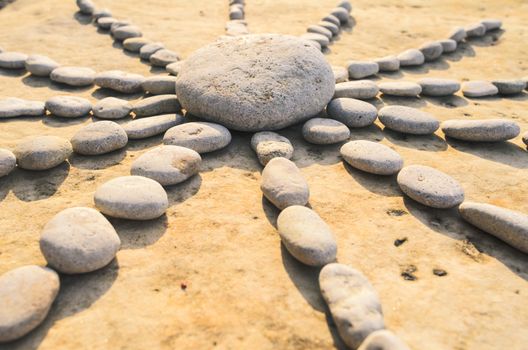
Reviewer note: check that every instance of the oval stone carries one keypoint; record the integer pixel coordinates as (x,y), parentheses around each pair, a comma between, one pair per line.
(457,34)
(346,5)
(42,152)
(525,138)
(135,44)
(40,66)
(408,120)
(13,60)
(485,130)
(475,30)
(99,138)
(175,67)
(126,32)
(411,57)
(269,145)
(16,107)
(351,112)
(361,89)
(323,131)
(73,76)
(340,74)
(120,81)
(86,7)
(148,50)
(448,45)
(163,57)
(319,39)
(431,50)
(99,13)
(479,88)
(112,108)
(320,30)
(333,19)
(438,87)
(334,29)
(105,22)
(491,24)
(341,13)
(160,85)
(201,137)
(151,126)
(509,87)
(372,157)
(383,340)
(388,64)
(156,105)
(7,162)
(400,88)
(361,69)
(68,106)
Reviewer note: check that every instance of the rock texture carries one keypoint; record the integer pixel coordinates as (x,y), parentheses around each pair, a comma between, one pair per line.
(202,137)
(371,157)
(408,120)
(269,145)
(42,152)
(99,138)
(487,130)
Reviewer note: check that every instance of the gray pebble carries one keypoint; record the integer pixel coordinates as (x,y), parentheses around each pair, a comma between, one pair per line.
(334,29)
(485,130)
(320,30)
(388,64)
(199,136)
(383,340)
(491,24)
(118,24)
(340,74)
(411,57)
(73,76)
(13,60)
(400,88)
(101,13)
(431,50)
(120,81)
(135,44)
(346,5)
(457,34)
(360,89)
(147,127)
(68,106)
(42,152)
(341,13)
(99,138)
(352,112)
(324,131)
(479,88)
(40,66)
(525,138)
(438,87)
(318,38)
(269,145)
(105,22)
(408,120)
(86,7)
(156,105)
(125,32)
(372,157)
(175,67)
(332,19)
(160,85)
(448,45)
(509,87)
(236,13)
(112,108)
(475,30)
(163,57)
(148,50)
(16,107)
(7,162)
(361,69)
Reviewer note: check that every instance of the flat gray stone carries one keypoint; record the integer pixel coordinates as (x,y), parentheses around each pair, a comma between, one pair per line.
(438,87)
(430,187)
(408,120)
(99,13)
(431,50)
(320,30)
(333,28)
(16,107)
(105,22)
(42,152)
(127,83)
(352,112)
(163,57)
(507,225)
(491,24)
(132,197)
(333,19)
(320,39)
(346,5)
(112,108)
(372,157)
(150,126)
(509,87)
(475,30)
(341,13)
(353,303)
(448,45)
(324,131)
(7,162)
(73,76)
(79,240)
(135,44)
(361,69)
(160,85)
(457,34)
(306,236)
(168,165)
(13,60)
(118,24)
(383,340)
(175,67)
(99,138)
(202,137)
(125,32)
(400,88)
(360,89)
(479,88)
(26,296)
(156,105)
(340,74)
(250,87)
(269,145)
(40,66)
(485,130)
(411,57)
(148,50)
(388,64)
(283,184)
(86,7)
(68,106)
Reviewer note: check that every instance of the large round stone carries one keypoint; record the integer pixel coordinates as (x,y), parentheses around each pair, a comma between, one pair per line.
(256,82)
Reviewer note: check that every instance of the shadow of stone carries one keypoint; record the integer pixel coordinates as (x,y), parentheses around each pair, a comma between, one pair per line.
(36,81)
(101,93)
(82,18)
(391,75)
(139,234)
(141,144)
(271,211)
(97,162)
(452,101)
(370,133)
(489,39)
(238,154)
(430,143)
(30,185)
(415,102)
(378,184)
(60,122)
(463,50)
(13,72)
(179,193)
(157,70)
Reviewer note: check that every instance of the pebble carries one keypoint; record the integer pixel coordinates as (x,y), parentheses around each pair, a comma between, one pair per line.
(431,50)
(7,162)
(148,50)
(525,138)
(283,184)
(341,13)
(13,60)
(106,22)
(372,157)
(147,127)
(68,106)
(79,240)
(127,83)
(306,236)
(168,165)
(430,187)
(320,30)
(411,57)
(42,152)
(360,89)
(132,197)
(408,120)
(438,87)
(352,112)
(86,7)
(491,24)
(99,138)
(156,105)
(346,5)
(201,137)
(175,67)
(118,24)
(486,130)
(332,19)
(40,66)
(340,74)
(125,32)
(479,88)
(112,108)
(475,30)
(457,34)
(269,145)
(16,107)
(73,76)
(318,38)
(135,44)
(333,28)
(400,88)
(160,85)
(383,340)
(509,87)
(26,296)
(388,64)
(324,131)
(353,303)
(163,57)
(448,45)
(101,13)
(361,69)
(507,225)
(244,96)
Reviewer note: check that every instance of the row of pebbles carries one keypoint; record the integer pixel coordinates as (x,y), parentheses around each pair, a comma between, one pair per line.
(237,24)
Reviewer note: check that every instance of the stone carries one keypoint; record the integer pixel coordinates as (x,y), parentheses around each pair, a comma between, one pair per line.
(485,130)
(12,107)
(346,5)
(26,296)
(475,30)
(105,22)
(437,87)
(156,105)
(269,145)
(352,112)
(457,34)
(13,60)
(127,83)
(430,187)
(86,7)
(135,44)
(332,19)
(383,340)
(250,86)
(118,24)
(507,225)
(431,50)
(42,152)
(132,197)
(320,30)
(360,89)
(201,137)
(448,45)
(306,236)
(322,40)
(151,126)
(400,88)
(126,32)
(68,106)
(101,13)
(361,69)
(163,57)
(7,162)
(479,88)
(283,184)
(388,64)
(340,74)
(333,28)
(509,87)
(372,157)
(160,85)
(79,240)
(491,24)
(168,165)
(236,13)
(40,66)
(112,108)
(341,13)
(99,138)
(175,67)
(324,131)
(408,120)
(148,50)
(411,57)
(525,138)
(353,303)
(73,76)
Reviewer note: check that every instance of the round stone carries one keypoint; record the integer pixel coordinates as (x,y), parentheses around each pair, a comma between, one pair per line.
(486,130)
(320,30)
(457,34)
(408,120)
(119,81)
(16,107)
(42,152)
(400,88)
(510,87)
(105,22)
(411,57)
(430,187)
(13,60)
(175,67)
(340,74)
(306,236)
(388,64)
(163,57)
(151,126)
(323,131)
(112,108)
(148,50)
(125,32)
(475,30)
(160,85)
(372,157)
(479,88)
(135,44)
(79,240)
(86,7)
(132,197)
(438,87)
(383,340)
(26,296)
(199,136)
(361,69)
(73,76)
(346,5)
(334,29)
(351,112)
(431,50)
(257,82)
(157,105)
(99,138)
(40,66)
(491,24)
(448,45)
(7,162)
(68,106)
(269,145)
(168,165)
(361,89)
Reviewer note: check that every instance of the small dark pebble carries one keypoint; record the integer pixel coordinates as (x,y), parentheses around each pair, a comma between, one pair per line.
(440,272)
(408,273)
(396,212)
(400,241)
(183,285)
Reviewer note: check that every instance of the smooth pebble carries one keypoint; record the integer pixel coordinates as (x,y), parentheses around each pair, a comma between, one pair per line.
(383,340)
(360,89)
(352,112)
(408,120)
(437,87)
(127,83)
(156,105)
(509,87)
(388,64)
(340,74)
(400,88)
(42,152)
(163,57)
(135,44)
(150,126)
(7,162)
(479,88)
(269,145)
(68,106)
(431,50)
(485,130)
(201,137)
(361,69)
(125,32)
(73,76)
(324,131)
(40,66)
(13,60)
(411,57)
(112,108)
(372,157)
(99,138)
(12,107)
(160,85)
